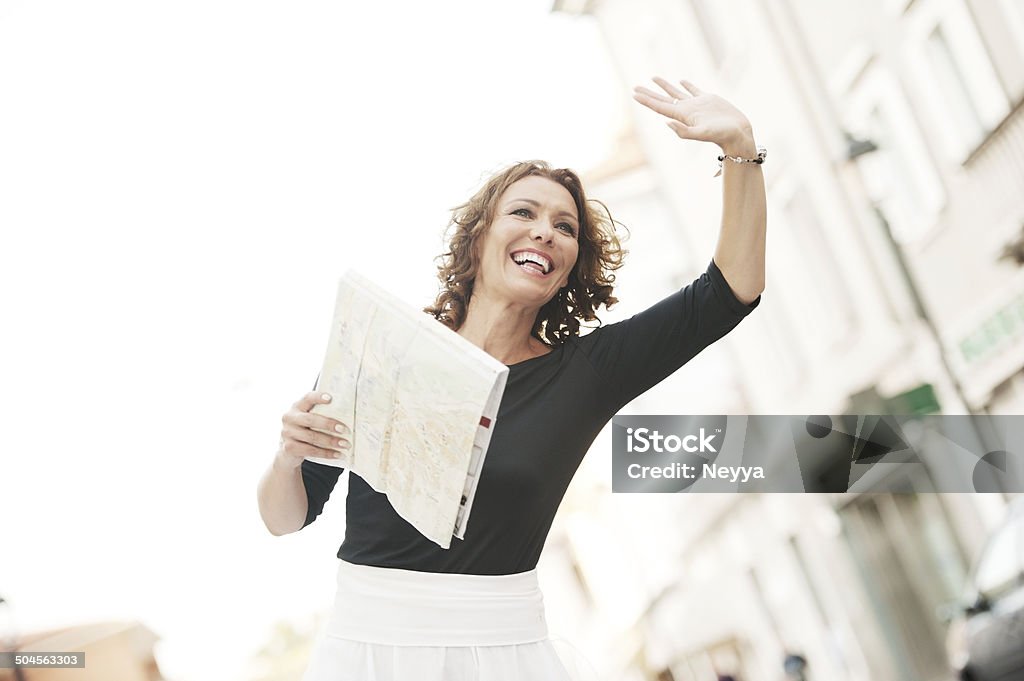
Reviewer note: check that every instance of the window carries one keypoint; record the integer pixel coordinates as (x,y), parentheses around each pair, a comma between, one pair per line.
(892,168)
(951,80)
(1002,563)
(953,76)
(900,176)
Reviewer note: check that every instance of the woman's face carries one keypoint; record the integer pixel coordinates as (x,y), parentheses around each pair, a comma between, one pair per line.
(531,246)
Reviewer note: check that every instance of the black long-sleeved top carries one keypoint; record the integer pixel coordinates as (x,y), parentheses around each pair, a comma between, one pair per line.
(552,409)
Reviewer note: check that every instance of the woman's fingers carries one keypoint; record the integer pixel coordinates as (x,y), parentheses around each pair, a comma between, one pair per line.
(310,400)
(677,105)
(302,442)
(301,415)
(696,91)
(319,422)
(672,90)
(654,102)
(329,443)
(656,96)
(307,434)
(298,450)
(663,103)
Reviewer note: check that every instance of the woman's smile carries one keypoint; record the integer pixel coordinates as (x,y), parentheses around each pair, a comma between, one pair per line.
(532,262)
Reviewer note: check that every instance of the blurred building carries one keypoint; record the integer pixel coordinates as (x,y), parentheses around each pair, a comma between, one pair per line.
(113,650)
(895,144)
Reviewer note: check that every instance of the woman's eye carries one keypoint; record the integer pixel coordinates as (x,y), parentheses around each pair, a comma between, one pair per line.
(564,226)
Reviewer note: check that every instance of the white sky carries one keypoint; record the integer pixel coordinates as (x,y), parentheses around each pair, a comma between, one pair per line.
(180,186)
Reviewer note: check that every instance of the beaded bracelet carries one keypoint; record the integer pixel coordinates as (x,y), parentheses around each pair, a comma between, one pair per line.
(762,153)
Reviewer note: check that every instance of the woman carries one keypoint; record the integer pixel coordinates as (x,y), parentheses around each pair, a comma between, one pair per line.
(529,259)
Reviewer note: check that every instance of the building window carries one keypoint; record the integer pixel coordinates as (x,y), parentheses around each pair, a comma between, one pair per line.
(950,78)
(894,182)
(1002,564)
(899,177)
(953,76)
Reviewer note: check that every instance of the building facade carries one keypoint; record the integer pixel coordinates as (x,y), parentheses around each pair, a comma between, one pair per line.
(896,237)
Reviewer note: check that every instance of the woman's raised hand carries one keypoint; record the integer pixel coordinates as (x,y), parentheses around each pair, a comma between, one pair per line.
(299,439)
(694,114)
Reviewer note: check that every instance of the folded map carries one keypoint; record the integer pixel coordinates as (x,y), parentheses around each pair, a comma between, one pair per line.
(422,402)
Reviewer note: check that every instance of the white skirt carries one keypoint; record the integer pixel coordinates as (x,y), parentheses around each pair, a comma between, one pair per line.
(392,625)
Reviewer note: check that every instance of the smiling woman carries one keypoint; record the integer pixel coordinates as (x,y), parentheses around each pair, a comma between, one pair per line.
(529,259)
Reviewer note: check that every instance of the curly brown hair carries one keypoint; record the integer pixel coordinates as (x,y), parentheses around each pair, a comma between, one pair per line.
(591,278)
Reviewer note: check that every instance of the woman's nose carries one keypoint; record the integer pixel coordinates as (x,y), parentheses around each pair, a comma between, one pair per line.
(542,229)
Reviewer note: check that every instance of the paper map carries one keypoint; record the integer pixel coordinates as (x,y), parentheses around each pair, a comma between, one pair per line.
(421,401)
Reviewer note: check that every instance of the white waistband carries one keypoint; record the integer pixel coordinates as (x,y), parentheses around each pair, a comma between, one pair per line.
(406,607)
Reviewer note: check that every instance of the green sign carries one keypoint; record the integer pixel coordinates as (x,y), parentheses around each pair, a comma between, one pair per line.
(919,401)
(996,332)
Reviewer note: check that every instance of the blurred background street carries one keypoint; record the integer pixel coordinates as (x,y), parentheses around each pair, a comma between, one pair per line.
(182,185)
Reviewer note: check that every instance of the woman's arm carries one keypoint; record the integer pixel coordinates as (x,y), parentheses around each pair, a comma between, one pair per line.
(293,491)
(740,251)
(282,497)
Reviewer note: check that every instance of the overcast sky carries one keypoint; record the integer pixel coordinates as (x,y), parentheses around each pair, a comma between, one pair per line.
(181,184)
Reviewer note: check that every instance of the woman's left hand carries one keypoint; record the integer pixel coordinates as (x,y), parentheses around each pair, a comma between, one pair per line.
(698,115)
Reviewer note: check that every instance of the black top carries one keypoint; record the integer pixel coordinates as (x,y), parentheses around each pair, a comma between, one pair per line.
(553,407)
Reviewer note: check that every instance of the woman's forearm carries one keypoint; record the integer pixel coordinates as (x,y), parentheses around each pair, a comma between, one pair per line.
(282,499)
(741,241)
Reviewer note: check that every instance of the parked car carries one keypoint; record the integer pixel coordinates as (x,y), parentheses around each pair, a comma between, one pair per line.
(985,641)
